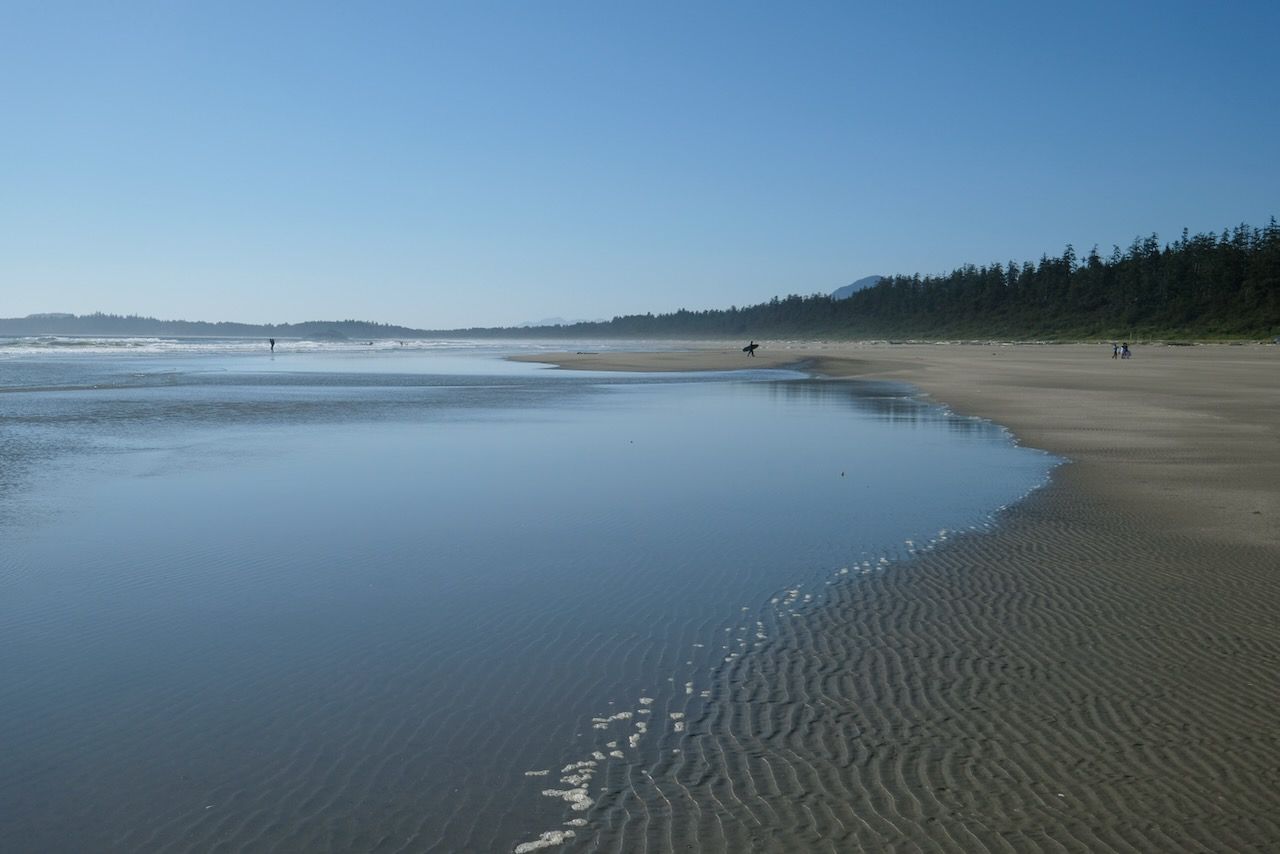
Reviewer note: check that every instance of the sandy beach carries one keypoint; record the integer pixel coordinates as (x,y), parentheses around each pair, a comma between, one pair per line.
(1099,673)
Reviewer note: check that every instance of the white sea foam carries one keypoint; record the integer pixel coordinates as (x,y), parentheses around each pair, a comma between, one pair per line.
(603,723)
(577,798)
(546,840)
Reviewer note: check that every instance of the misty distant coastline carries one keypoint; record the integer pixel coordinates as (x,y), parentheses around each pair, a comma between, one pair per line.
(1201,286)
(115,325)
(135,325)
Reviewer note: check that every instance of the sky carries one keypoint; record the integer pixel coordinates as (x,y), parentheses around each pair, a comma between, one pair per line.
(443,165)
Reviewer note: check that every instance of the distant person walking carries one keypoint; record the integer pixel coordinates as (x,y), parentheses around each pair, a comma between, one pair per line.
(750,349)
(273,344)
(1115,351)
(1124,350)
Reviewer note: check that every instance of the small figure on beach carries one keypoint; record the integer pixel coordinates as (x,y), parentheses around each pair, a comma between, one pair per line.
(1124,350)
(1115,350)
(750,349)
(273,344)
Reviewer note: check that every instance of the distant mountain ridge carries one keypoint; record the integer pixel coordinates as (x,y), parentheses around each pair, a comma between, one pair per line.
(552,321)
(852,288)
(57,323)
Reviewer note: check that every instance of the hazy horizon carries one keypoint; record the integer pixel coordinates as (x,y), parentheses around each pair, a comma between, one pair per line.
(487,165)
(56,315)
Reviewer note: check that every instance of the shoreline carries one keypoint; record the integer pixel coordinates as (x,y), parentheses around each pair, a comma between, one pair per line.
(1157,432)
(1097,672)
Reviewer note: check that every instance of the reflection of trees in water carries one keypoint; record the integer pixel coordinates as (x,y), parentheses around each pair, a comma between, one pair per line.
(885,401)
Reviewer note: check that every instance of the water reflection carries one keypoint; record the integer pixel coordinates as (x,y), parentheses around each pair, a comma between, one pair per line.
(71,407)
(883,400)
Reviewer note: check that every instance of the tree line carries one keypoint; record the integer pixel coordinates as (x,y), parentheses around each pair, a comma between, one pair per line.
(1201,286)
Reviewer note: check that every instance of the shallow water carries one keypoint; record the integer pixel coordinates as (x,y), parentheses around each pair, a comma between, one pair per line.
(344,600)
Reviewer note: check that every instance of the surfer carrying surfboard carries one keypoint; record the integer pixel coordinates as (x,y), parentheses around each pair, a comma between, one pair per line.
(750,349)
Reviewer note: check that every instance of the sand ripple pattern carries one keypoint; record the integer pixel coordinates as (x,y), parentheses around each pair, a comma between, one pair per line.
(1063,684)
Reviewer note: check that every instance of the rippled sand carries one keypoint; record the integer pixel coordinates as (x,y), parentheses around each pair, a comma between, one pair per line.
(1097,674)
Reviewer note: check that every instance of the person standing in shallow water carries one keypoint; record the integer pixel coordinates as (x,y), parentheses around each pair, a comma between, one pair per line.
(273,344)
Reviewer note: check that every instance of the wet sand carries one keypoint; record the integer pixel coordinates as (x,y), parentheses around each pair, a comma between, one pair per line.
(1102,672)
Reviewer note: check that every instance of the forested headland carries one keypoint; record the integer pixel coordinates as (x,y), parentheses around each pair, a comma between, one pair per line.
(1201,286)
(1204,286)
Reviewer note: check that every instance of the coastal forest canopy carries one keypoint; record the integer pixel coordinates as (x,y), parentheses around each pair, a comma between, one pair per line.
(1201,286)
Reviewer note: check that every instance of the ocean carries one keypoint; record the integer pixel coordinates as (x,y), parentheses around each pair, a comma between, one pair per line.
(354,597)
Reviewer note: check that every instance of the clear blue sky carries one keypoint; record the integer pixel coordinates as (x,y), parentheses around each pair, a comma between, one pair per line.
(450,164)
